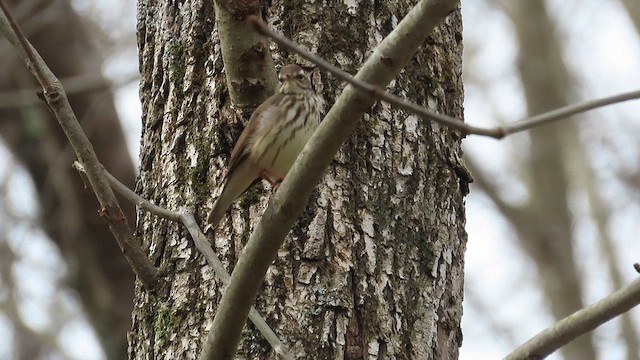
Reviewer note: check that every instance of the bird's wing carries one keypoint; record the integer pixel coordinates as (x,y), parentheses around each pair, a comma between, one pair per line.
(238,181)
(241,173)
(241,149)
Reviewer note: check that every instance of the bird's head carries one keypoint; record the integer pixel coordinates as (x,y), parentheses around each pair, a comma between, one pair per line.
(294,80)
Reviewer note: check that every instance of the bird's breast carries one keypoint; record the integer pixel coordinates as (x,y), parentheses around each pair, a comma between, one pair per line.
(285,134)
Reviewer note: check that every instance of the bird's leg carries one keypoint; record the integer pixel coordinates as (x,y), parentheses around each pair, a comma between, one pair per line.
(270,175)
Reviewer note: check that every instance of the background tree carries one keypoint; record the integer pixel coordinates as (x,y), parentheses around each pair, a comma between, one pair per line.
(551,188)
(96,269)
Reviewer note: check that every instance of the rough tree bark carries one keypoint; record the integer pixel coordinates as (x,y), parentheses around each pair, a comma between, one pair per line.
(97,269)
(375,266)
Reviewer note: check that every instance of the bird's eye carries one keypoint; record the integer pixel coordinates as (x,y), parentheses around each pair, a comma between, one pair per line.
(300,76)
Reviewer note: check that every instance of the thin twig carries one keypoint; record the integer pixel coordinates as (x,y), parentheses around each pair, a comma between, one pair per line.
(578,323)
(564,112)
(466,129)
(59,104)
(202,244)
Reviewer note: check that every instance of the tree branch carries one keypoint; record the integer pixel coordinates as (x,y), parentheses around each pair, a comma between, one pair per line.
(578,323)
(451,122)
(202,244)
(564,112)
(391,55)
(248,66)
(59,105)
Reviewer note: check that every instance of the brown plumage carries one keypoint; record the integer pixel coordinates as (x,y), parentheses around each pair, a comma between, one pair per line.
(272,140)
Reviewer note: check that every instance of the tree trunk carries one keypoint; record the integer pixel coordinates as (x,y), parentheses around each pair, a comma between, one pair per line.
(374,268)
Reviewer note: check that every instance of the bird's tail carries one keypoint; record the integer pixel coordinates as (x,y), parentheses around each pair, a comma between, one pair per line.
(236,183)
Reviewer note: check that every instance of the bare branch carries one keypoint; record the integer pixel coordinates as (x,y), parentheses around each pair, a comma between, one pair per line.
(379,93)
(391,55)
(564,112)
(601,214)
(202,243)
(59,104)
(578,323)
(248,65)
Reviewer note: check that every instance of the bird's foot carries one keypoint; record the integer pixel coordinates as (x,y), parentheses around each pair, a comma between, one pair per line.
(273,178)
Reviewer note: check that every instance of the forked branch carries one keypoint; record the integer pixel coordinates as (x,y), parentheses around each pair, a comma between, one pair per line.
(202,244)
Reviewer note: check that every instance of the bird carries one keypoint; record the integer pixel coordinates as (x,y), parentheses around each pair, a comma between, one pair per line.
(273,138)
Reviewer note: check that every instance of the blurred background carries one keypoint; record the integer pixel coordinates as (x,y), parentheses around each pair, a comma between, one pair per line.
(553,214)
